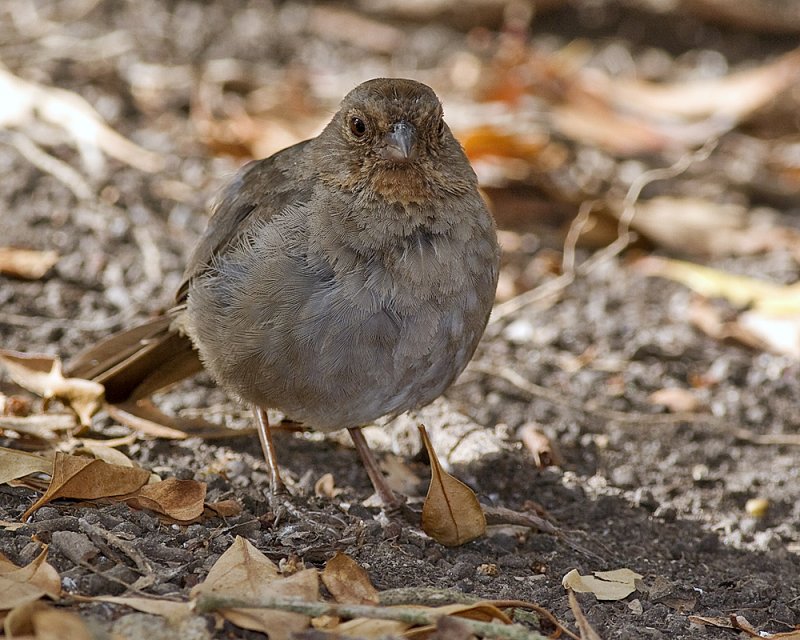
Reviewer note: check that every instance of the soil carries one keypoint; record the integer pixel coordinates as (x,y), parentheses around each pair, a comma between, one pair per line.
(664,497)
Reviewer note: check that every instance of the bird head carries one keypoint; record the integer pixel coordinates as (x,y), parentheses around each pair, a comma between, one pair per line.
(389,136)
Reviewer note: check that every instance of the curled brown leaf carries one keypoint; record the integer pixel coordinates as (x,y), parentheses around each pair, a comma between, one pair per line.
(451,513)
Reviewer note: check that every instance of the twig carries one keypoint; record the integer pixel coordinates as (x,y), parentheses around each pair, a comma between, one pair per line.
(788,439)
(537,391)
(151,256)
(662,173)
(425,597)
(42,426)
(207,603)
(102,538)
(628,417)
(521,604)
(60,170)
(503,515)
(102,324)
(433,597)
(587,632)
(624,237)
(528,298)
(574,233)
(135,588)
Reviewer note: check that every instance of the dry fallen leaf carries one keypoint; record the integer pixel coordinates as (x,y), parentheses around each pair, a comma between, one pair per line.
(370,628)
(169,609)
(451,514)
(490,141)
(597,123)
(740,622)
(99,451)
(41,374)
(42,622)
(779,334)
(730,98)
(348,582)
(144,416)
(225,508)
(26,263)
(17,621)
(702,226)
(382,628)
(541,447)
(20,585)
(244,572)
(87,479)
(42,426)
(325,487)
(16,464)
(734,621)
(772,320)
(708,318)
(56,624)
(643,116)
(722,622)
(742,291)
(181,500)
(605,585)
(480,611)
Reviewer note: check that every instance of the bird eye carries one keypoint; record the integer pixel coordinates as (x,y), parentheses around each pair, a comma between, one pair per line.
(357,127)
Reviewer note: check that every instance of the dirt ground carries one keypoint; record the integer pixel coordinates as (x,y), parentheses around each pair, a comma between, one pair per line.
(635,488)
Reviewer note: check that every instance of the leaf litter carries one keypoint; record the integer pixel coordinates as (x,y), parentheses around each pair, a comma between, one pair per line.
(451,513)
(551,156)
(26,263)
(605,585)
(42,375)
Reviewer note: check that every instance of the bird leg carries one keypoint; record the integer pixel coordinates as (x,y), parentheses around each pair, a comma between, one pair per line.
(276,486)
(390,500)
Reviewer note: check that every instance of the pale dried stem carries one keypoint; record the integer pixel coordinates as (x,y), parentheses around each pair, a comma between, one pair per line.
(624,237)
(207,603)
(51,165)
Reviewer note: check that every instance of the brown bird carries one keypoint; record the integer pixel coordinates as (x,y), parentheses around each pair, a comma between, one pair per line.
(342,279)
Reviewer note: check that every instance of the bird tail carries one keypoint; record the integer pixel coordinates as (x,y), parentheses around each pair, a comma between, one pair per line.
(137,362)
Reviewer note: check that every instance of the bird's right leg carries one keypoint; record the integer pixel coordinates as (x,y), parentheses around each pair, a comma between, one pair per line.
(276,485)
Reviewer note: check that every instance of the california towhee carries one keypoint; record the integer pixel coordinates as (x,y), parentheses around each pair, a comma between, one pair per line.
(345,278)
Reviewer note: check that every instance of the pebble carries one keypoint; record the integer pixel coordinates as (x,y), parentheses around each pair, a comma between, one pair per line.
(76,547)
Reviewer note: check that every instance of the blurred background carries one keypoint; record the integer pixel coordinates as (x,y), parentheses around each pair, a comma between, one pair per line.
(639,379)
(557,102)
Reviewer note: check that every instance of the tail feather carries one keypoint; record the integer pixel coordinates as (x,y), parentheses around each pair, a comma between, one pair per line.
(137,362)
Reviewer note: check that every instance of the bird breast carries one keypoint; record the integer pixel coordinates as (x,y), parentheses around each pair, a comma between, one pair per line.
(304,322)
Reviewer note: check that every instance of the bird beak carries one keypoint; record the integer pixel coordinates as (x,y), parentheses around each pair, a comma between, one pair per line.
(400,143)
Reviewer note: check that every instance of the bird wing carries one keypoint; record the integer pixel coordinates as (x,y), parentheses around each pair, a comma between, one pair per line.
(262,188)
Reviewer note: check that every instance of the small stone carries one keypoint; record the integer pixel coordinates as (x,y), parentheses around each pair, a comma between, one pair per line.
(462,570)
(757,507)
(519,332)
(76,547)
(636,606)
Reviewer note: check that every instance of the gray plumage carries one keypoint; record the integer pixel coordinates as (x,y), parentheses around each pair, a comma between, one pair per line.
(344,278)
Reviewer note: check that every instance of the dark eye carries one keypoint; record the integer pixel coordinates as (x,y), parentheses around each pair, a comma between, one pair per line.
(357,127)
